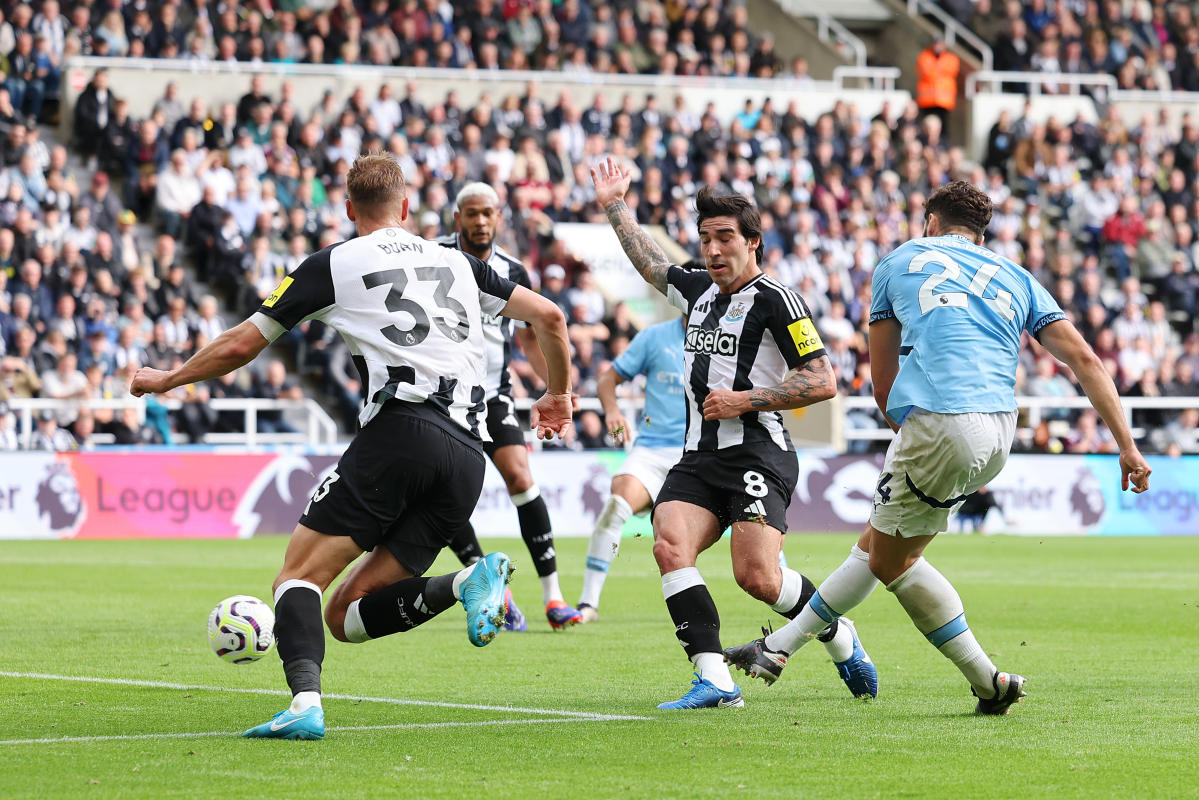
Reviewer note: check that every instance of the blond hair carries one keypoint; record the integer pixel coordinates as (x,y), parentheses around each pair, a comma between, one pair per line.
(375,184)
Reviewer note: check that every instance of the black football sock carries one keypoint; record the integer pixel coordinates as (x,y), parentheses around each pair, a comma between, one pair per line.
(300,634)
(696,621)
(465,544)
(405,604)
(534,517)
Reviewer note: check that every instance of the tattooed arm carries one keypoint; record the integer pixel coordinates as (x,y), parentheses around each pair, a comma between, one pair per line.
(611,183)
(808,384)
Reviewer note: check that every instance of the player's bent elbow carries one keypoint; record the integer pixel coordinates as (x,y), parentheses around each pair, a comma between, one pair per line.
(549,318)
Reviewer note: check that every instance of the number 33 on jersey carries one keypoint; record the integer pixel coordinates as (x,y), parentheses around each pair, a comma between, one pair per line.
(410,313)
(962,310)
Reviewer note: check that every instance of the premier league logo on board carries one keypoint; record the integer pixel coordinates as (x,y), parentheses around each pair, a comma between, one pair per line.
(58,500)
(594,492)
(277,495)
(1086,498)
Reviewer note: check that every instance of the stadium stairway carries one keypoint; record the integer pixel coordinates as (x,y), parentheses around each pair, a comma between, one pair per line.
(892,36)
(796,34)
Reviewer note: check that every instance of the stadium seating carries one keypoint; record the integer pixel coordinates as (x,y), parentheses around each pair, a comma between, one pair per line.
(103,255)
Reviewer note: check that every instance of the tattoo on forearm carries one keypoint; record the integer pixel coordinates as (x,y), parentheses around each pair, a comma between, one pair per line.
(802,387)
(643,251)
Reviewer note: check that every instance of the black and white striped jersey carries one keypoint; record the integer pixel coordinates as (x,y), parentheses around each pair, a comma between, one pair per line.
(746,340)
(411,314)
(497,330)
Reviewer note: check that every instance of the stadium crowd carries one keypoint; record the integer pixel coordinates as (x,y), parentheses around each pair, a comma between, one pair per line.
(1143,44)
(238,194)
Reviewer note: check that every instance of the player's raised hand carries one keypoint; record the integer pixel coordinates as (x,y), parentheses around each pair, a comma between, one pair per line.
(724,404)
(611,181)
(1134,470)
(552,414)
(149,381)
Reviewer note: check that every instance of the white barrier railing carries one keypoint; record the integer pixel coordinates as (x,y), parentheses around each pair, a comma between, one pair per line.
(318,426)
(954,31)
(880,77)
(418,74)
(829,29)
(1035,406)
(1074,81)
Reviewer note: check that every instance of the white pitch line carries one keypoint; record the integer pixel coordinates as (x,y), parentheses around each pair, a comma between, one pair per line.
(356,698)
(336,728)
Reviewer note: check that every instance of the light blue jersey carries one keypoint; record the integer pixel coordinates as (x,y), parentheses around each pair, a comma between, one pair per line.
(962,309)
(657,353)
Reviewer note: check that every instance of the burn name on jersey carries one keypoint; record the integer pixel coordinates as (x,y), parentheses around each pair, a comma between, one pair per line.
(395,248)
(710,342)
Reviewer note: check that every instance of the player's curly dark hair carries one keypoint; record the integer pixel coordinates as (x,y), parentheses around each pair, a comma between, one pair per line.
(957,204)
(749,221)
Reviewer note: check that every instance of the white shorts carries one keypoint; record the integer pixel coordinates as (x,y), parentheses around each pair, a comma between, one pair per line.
(933,463)
(649,465)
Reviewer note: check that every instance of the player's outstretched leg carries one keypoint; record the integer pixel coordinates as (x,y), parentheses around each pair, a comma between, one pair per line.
(697,626)
(818,618)
(936,609)
(482,594)
(301,643)
(396,605)
(311,563)
(465,544)
(534,517)
(601,552)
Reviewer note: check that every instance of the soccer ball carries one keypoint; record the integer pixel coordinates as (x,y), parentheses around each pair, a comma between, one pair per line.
(241,629)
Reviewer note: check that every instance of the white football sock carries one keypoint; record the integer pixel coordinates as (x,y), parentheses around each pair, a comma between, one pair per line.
(790,592)
(304,701)
(462,575)
(935,607)
(848,586)
(601,552)
(840,647)
(354,629)
(550,590)
(713,668)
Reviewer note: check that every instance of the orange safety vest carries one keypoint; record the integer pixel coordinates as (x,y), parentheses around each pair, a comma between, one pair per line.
(937,79)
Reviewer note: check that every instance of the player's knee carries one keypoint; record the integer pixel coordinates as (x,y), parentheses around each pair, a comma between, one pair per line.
(887,568)
(760,584)
(518,481)
(671,555)
(335,619)
(335,614)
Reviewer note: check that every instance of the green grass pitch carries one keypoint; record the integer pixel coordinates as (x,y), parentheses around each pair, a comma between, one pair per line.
(1105,629)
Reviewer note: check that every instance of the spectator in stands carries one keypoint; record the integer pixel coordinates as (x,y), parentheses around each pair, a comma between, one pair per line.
(49,436)
(177,193)
(275,385)
(1122,233)
(17,375)
(9,441)
(65,382)
(553,286)
(937,71)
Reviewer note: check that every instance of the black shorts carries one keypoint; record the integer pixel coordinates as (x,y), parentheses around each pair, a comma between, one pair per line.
(407,482)
(502,424)
(746,482)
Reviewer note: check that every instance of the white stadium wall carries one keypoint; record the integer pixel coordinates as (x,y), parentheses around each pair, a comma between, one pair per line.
(142,82)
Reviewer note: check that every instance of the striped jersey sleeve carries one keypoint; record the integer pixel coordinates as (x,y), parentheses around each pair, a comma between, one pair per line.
(791,325)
